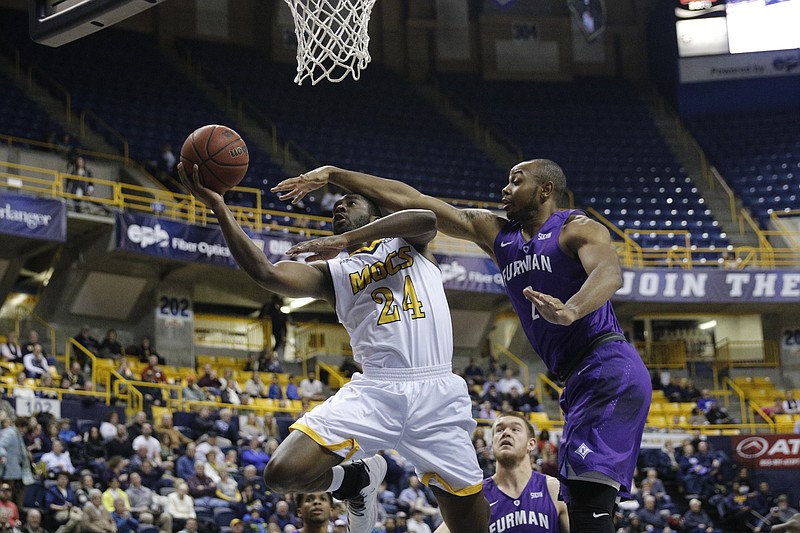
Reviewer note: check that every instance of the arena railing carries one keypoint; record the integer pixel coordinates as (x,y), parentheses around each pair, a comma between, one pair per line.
(88,115)
(105,396)
(728,192)
(663,354)
(545,382)
(246,334)
(335,379)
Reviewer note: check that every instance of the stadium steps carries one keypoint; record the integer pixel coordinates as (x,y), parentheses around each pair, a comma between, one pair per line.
(666,121)
(484,138)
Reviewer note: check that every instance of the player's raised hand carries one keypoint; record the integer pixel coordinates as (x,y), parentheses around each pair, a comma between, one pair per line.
(550,308)
(204,194)
(322,249)
(295,189)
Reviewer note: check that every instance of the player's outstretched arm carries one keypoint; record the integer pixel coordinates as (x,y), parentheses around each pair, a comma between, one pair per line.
(591,243)
(416,226)
(286,277)
(477,225)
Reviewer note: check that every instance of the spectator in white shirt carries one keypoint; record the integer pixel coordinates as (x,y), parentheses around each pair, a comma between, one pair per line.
(311,387)
(22,390)
(208,445)
(180,505)
(790,405)
(508,382)
(35,362)
(11,350)
(57,460)
(255,387)
(147,440)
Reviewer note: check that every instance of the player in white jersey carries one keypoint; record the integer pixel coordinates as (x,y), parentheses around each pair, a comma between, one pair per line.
(388,293)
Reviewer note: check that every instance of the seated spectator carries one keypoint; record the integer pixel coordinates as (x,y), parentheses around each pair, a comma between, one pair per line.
(144,350)
(108,427)
(653,517)
(192,391)
(33,340)
(212,467)
(275,392)
(57,460)
(473,373)
(251,478)
(210,444)
(202,423)
(154,367)
(291,389)
(696,520)
(113,493)
(122,445)
(10,506)
(486,411)
(147,441)
(509,381)
(75,376)
(85,484)
(185,465)
(58,499)
(144,506)
(705,400)
(229,381)
(190,526)
(228,394)
(493,396)
(228,490)
(282,516)
(688,392)
(136,425)
(124,369)
(11,350)
(271,426)
(22,389)
(35,362)
(110,348)
(33,522)
(779,514)
(417,524)
(255,387)
(153,476)
(274,364)
(255,455)
(96,518)
(203,489)
(46,388)
(226,428)
(257,362)
(167,427)
(209,380)
(310,388)
(415,497)
(760,502)
(718,415)
(790,405)
(252,428)
(672,390)
(89,343)
(123,518)
(698,417)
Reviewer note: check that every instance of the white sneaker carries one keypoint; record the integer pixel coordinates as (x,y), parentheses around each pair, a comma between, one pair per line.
(362,511)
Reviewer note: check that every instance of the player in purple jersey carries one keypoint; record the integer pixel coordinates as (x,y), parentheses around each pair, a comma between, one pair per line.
(560,270)
(521,500)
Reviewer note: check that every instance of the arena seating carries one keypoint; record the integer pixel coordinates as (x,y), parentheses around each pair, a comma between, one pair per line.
(20,116)
(758,154)
(614,156)
(377,125)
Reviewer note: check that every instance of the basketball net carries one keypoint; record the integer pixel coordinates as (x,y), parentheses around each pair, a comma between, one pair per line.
(332,38)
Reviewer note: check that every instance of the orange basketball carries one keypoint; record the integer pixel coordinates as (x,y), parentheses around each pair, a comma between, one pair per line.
(221,155)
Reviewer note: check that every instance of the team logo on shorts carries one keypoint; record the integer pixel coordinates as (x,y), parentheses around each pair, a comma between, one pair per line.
(583,450)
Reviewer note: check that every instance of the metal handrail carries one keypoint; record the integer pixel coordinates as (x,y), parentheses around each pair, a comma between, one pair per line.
(728,192)
(543,381)
(97,118)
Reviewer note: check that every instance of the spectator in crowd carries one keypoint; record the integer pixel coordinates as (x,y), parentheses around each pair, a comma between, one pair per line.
(11,507)
(282,516)
(113,493)
(108,427)
(144,506)
(57,460)
(279,319)
(154,367)
(35,362)
(203,489)
(147,441)
(166,165)
(96,518)
(144,350)
(122,445)
(760,502)
(6,525)
(58,499)
(718,415)
(190,526)
(781,513)
(487,411)
(493,396)
(210,445)
(255,387)
(255,455)
(33,340)
(311,388)
(292,393)
(180,505)
(209,380)
(75,376)
(275,391)
(653,517)
(415,497)
(110,348)
(192,391)
(790,405)
(229,394)
(21,388)
(202,423)
(473,373)
(696,520)
(11,350)
(227,430)
(136,425)
(314,509)
(698,417)
(33,522)
(705,400)
(185,465)
(89,343)
(85,484)
(508,381)
(349,367)
(123,518)
(14,456)
(257,361)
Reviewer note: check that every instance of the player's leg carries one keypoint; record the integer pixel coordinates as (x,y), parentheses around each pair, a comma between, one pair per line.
(463,514)
(300,465)
(591,507)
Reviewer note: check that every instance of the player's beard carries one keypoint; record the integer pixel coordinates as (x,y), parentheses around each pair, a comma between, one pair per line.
(511,460)
(348,224)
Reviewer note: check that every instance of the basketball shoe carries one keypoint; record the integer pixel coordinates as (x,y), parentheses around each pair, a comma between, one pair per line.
(362,510)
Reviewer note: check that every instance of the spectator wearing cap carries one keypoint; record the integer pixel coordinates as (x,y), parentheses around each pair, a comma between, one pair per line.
(237,525)
(6,503)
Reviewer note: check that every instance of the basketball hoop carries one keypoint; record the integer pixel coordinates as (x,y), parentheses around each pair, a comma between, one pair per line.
(332,38)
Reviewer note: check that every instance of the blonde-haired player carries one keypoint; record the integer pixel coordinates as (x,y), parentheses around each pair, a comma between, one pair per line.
(388,293)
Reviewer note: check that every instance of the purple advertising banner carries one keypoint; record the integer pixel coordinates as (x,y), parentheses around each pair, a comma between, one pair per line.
(37,218)
(175,240)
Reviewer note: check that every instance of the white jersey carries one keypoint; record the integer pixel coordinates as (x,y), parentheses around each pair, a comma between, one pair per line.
(391,300)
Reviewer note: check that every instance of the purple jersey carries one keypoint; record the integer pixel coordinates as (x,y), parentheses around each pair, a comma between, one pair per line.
(533,512)
(541,264)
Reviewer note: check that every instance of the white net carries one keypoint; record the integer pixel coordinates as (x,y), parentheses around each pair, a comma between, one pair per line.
(332,38)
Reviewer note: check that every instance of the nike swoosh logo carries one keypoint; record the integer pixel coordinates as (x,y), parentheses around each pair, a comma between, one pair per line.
(598,515)
(504,244)
(494,503)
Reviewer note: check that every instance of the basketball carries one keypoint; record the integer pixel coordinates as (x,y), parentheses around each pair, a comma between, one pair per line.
(221,155)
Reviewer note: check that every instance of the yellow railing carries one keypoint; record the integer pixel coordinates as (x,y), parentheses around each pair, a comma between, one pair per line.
(335,379)
(739,394)
(542,382)
(212,331)
(523,368)
(105,396)
(21,313)
(312,339)
(733,354)
(717,177)
(663,354)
